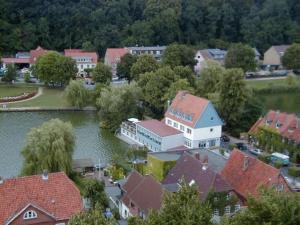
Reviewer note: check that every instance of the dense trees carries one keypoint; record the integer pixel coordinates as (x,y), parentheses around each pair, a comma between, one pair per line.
(241,56)
(179,55)
(77,94)
(102,73)
(56,69)
(65,24)
(291,58)
(49,147)
(145,63)
(10,74)
(124,66)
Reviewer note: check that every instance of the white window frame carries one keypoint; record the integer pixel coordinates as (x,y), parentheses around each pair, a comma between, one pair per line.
(227,209)
(237,207)
(216,212)
(30,214)
(175,125)
(189,131)
(181,128)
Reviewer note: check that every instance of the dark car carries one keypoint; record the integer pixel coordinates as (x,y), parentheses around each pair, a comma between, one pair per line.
(241,146)
(225,138)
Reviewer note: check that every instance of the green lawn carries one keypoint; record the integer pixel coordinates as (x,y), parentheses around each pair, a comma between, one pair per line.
(15,90)
(51,98)
(260,84)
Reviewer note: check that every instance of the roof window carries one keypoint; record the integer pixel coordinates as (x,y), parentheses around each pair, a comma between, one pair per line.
(30,215)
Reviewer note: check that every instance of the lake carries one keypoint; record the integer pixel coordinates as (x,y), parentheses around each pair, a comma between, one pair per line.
(285,102)
(91,141)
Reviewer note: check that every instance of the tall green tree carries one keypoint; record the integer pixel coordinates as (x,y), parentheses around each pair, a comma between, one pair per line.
(179,55)
(124,66)
(179,85)
(56,69)
(181,208)
(10,74)
(241,56)
(94,191)
(77,95)
(102,73)
(233,96)
(291,58)
(145,63)
(49,147)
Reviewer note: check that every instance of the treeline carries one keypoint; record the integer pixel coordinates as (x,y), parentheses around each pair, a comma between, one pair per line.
(98,24)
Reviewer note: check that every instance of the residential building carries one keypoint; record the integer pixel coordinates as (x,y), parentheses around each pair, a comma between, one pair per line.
(25,59)
(113,57)
(157,136)
(156,51)
(204,55)
(140,195)
(246,174)
(211,185)
(128,128)
(197,118)
(272,57)
(285,124)
(48,199)
(84,59)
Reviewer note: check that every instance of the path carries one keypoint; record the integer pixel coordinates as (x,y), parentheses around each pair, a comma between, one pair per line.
(39,93)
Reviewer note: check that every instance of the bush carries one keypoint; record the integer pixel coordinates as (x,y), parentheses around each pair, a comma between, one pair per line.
(222,151)
(278,164)
(266,158)
(294,171)
(116,213)
(232,146)
(27,77)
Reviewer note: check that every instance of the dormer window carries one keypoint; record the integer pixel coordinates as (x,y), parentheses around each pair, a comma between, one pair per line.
(278,125)
(30,215)
(268,122)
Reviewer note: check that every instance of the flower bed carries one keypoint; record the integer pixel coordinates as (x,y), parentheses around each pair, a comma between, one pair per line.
(17,98)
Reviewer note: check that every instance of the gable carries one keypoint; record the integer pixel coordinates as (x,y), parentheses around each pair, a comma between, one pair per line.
(42,216)
(209,118)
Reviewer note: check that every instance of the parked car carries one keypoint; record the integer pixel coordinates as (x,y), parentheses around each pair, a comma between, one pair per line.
(263,73)
(255,151)
(225,138)
(241,146)
(280,72)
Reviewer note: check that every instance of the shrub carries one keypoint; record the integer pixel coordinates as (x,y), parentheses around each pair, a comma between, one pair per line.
(294,171)
(222,151)
(278,164)
(232,146)
(27,77)
(265,157)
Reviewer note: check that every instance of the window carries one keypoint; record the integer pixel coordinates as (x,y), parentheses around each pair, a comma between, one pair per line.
(227,209)
(228,196)
(169,122)
(181,127)
(189,131)
(30,215)
(211,129)
(216,212)
(202,144)
(60,224)
(212,143)
(211,118)
(215,199)
(175,125)
(237,207)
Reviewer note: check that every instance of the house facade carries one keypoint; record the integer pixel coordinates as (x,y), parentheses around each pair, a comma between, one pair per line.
(205,55)
(197,118)
(84,60)
(113,57)
(156,51)
(139,195)
(48,199)
(272,57)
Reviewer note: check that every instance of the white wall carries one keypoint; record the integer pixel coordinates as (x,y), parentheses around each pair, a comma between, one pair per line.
(122,209)
(85,66)
(172,141)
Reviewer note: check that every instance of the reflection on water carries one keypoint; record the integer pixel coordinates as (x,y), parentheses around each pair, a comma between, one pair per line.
(91,141)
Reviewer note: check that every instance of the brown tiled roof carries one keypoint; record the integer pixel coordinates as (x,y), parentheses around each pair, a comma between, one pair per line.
(58,196)
(34,54)
(114,54)
(190,168)
(15,60)
(189,105)
(158,127)
(247,180)
(144,192)
(81,53)
(290,124)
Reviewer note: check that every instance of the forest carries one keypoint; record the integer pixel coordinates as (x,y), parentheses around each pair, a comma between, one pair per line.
(99,24)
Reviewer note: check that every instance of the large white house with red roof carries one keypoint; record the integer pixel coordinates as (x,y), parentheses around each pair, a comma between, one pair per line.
(84,60)
(113,57)
(48,199)
(197,118)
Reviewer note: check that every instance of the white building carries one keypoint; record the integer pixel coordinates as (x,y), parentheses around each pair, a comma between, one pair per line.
(197,118)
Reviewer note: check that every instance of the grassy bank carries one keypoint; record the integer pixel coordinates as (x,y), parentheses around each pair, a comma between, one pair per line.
(263,84)
(16,90)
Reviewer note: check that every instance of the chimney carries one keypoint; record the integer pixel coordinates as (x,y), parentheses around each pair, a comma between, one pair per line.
(45,175)
(197,156)
(1,180)
(246,163)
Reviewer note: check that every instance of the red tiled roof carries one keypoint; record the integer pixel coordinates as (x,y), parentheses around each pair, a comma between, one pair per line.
(81,53)
(34,54)
(290,124)
(145,195)
(189,105)
(58,196)
(190,168)
(158,127)
(15,60)
(133,179)
(247,180)
(112,55)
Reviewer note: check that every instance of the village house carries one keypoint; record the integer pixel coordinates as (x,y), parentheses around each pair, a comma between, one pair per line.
(84,59)
(48,199)
(24,59)
(113,57)
(272,57)
(156,51)
(211,185)
(246,174)
(140,195)
(197,118)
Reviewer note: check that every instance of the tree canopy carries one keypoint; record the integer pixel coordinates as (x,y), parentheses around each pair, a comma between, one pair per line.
(102,73)
(291,58)
(145,63)
(124,66)
(10,74)
(77,95)
(49,147)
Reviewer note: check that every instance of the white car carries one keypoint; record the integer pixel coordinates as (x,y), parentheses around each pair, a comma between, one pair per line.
(255,151)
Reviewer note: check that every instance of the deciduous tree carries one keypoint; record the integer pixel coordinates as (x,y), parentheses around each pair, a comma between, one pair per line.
(77,94)
(10,74)
(291,58)
(124,66)
(145,63)
(102,73)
